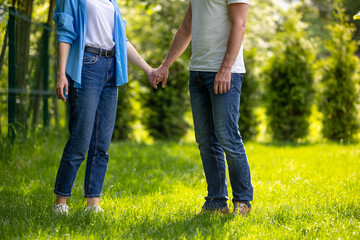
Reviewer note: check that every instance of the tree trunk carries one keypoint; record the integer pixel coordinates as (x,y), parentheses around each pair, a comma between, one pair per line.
(55,99)
(38,73)
(3,50)
(24,7)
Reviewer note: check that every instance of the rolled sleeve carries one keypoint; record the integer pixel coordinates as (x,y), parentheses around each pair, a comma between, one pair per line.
(65,29)
(65,20)
(237,1)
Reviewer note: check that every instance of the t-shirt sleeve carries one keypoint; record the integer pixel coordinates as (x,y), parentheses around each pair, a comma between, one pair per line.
(237,1)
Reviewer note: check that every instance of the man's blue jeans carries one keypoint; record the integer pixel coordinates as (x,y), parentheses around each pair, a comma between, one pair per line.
(91,125)
(216,130)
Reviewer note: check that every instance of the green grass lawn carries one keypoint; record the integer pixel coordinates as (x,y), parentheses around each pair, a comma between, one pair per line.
(153,192)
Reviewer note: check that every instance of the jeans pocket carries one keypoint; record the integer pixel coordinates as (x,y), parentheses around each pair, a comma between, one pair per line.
(90,58)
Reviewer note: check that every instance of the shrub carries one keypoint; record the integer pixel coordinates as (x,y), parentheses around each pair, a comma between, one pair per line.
(289,87)
(163,109)
(124,115)
(340,76)
(248,121)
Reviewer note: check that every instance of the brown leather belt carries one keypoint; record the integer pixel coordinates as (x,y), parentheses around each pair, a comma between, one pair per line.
(100,51)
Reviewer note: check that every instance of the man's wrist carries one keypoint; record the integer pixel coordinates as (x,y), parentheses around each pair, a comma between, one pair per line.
(225,68)
(166,64)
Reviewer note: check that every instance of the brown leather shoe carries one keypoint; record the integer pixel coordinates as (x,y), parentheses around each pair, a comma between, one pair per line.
(241,209)
(224,210)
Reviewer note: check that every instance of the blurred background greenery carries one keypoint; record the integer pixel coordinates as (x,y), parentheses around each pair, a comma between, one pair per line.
(302,81)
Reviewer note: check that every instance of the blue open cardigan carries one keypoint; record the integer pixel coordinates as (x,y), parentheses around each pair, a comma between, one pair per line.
(70,19)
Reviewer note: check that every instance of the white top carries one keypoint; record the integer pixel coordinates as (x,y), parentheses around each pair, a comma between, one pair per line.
(210,32)
(100,24)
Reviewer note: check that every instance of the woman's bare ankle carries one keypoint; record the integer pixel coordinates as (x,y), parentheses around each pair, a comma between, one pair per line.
(60,200)
(92,201)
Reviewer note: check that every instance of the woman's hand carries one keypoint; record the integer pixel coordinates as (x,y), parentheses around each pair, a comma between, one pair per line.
(163,73)
(62,83)
(155,77)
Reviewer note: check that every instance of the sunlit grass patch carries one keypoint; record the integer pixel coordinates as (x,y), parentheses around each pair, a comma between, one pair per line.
(153,192)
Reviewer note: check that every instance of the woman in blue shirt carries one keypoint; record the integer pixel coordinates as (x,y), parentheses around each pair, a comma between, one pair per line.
(92,62)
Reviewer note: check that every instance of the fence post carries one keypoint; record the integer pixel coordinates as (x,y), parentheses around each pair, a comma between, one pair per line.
(45,67)
(12,75)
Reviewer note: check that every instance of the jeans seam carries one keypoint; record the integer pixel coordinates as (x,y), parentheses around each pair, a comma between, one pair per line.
(65,154)
(107,71)
(213,149)
(217,165)
(95,150)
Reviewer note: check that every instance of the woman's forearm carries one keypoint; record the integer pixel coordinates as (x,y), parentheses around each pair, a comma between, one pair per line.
(135,58)
(62,83)
(63,54)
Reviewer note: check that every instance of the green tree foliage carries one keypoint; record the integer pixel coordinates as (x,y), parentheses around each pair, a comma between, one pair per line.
(249,89)
(124,114)
(164,109)
(256,49)
(340,77)
(290,82)
(351,7)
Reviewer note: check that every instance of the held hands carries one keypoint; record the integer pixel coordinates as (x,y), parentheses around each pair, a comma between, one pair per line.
(62,83)
(157,75)
(221,84)
(222,81)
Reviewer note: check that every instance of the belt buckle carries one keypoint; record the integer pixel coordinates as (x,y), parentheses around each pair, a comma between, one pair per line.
(106,53)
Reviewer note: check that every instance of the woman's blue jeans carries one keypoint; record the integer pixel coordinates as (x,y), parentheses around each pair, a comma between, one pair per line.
(91,125)
(216,130)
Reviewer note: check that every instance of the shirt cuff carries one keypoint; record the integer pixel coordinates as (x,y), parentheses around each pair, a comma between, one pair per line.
(64,39)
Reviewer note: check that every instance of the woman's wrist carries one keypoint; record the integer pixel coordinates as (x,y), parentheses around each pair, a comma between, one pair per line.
(148,70)
(61,74)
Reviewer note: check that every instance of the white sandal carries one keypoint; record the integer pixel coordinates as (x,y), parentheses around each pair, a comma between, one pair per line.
(94,209)
(60,208)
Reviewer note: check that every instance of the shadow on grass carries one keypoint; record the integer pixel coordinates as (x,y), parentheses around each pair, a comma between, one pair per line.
(30,216)
(138,170)
(282,144)
(187,227)
(142,169)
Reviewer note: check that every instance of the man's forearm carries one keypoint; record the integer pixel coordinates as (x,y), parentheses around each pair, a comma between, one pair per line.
(181,40)
(237,15)
(178,46)
(233,47)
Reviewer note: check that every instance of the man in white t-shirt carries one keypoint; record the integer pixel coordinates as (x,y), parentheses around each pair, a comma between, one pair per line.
(216,28)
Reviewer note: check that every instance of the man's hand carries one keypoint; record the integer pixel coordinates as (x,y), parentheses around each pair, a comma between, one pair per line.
(163,72)
(222,81)
(237,15)
(62,83)
(159,75)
